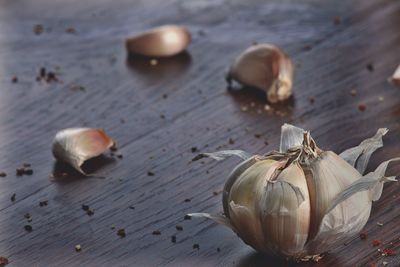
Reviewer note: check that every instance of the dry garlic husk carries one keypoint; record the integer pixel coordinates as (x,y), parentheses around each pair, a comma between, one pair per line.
(163,41)
(76,145)
(265,67)
(300,201)
(395,79)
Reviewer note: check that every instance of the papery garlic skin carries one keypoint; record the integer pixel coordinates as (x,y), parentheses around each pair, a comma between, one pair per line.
(76,145)
(301,201)
(265,67)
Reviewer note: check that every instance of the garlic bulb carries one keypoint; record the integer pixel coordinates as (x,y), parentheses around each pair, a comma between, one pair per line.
(163,41)
(265,67)
(301,201)
(76,145)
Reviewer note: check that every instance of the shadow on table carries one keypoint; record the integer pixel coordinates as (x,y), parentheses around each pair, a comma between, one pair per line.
(64,173)
(260,260)
(245,96)
(153,68)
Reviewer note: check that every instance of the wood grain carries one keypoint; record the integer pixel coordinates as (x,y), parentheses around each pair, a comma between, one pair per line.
(158,113)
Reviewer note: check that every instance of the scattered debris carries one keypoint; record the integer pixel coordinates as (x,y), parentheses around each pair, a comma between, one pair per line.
(353,92)
(88,210)
(70,30)
(363,236)
(362,107)
(153,62)
(28,217)
(121,233)
(337,20)
(24,170)
(173,239)
(3,261)
(388,252)
(76,87)
(43,203)
(198,157)
(307,47)
(38,29)
(42,72)
(28,228)
(267,108)
(379,224)
(78,248)
(376,242)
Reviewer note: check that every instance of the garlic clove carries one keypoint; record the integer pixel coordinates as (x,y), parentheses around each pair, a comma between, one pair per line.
(235,174)
(349,212)
(330,175)
(163,41)
(341,223)
(285,212)
(359,156)
(244,195)
(76,145)
(265,67)
(395,79)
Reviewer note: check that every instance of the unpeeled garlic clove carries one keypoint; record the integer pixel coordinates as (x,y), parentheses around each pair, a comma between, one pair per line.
(163,41)
(266,67)
(76,145)
(395,79)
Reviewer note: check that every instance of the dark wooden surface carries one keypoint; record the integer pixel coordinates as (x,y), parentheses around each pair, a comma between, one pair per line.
(156,134)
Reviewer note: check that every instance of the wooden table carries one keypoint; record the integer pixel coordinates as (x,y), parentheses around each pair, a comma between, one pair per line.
(159,114)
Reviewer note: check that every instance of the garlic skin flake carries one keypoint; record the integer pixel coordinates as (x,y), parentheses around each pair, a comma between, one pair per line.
(164,41)
(301,201)
(266,67)
(76,145)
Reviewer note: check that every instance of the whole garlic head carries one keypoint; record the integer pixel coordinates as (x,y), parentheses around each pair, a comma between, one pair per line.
(301,201)
(265,67)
